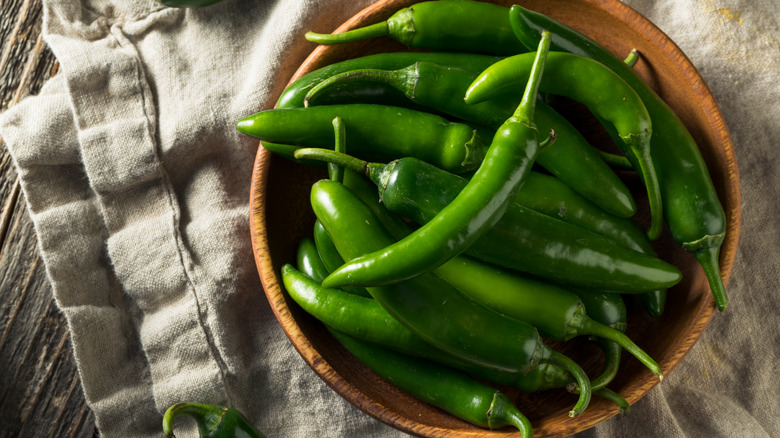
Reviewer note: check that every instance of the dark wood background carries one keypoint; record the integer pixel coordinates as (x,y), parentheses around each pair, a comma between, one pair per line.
(40,391)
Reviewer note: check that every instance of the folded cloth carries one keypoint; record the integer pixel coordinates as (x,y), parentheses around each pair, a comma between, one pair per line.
(137,184)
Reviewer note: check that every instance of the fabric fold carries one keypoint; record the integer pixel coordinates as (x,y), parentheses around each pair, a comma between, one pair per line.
(140,202)
(116,121)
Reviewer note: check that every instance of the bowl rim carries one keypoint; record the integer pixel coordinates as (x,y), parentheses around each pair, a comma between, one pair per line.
(704,313)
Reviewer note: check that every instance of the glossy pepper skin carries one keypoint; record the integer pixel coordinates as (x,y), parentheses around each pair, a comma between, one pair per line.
(432,309)
(212,421)
(440,88)
(366,320)
(309,261)
(605,93)
(378,132)
(458,26)
(692,209)
(330,257)
(450,390)
(476,208)
(293,95)
(546,195)
(521,239)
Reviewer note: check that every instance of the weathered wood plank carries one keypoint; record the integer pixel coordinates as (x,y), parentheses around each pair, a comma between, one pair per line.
(40,392)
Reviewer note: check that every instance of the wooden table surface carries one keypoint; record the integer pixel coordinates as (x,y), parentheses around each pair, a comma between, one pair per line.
(40,390)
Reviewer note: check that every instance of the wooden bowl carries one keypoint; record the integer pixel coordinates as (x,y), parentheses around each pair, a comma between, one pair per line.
(281,216)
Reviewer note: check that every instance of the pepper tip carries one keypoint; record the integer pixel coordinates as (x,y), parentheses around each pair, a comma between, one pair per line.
(244,125)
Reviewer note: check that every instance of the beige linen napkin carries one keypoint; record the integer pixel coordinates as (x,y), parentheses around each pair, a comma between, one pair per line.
(137,184)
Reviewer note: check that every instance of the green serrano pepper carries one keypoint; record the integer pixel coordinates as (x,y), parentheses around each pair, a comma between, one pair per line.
(212,421)
(429,307)
(522,239)
(605,93)
(441,88)
(293,95)
(335,172)
(474,210)
(453,391)
(462,26)
(376,132)
(692,209)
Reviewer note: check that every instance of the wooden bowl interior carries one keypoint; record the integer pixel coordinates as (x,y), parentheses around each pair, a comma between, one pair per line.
(281,216)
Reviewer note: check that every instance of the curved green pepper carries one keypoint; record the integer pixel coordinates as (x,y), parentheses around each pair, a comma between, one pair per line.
(546,195)
(464,26)
(377,132)
(293,95)
(212,421)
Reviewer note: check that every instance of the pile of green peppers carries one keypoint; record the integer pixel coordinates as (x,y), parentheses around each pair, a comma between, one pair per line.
(465,221)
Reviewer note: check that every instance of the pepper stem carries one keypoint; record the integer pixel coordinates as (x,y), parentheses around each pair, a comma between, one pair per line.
(615,161)
(335,171)
(591,327)
(547,142)
(612,351)
(614,397)
(632,58)
(333,157)
(502,411)
(708,259)
(207,417)
(644,164)
(372,31)
(525,110)
(394,78)
(583,384)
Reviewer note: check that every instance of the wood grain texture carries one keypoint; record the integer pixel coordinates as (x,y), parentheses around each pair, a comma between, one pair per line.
(280,187)
(40,391)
